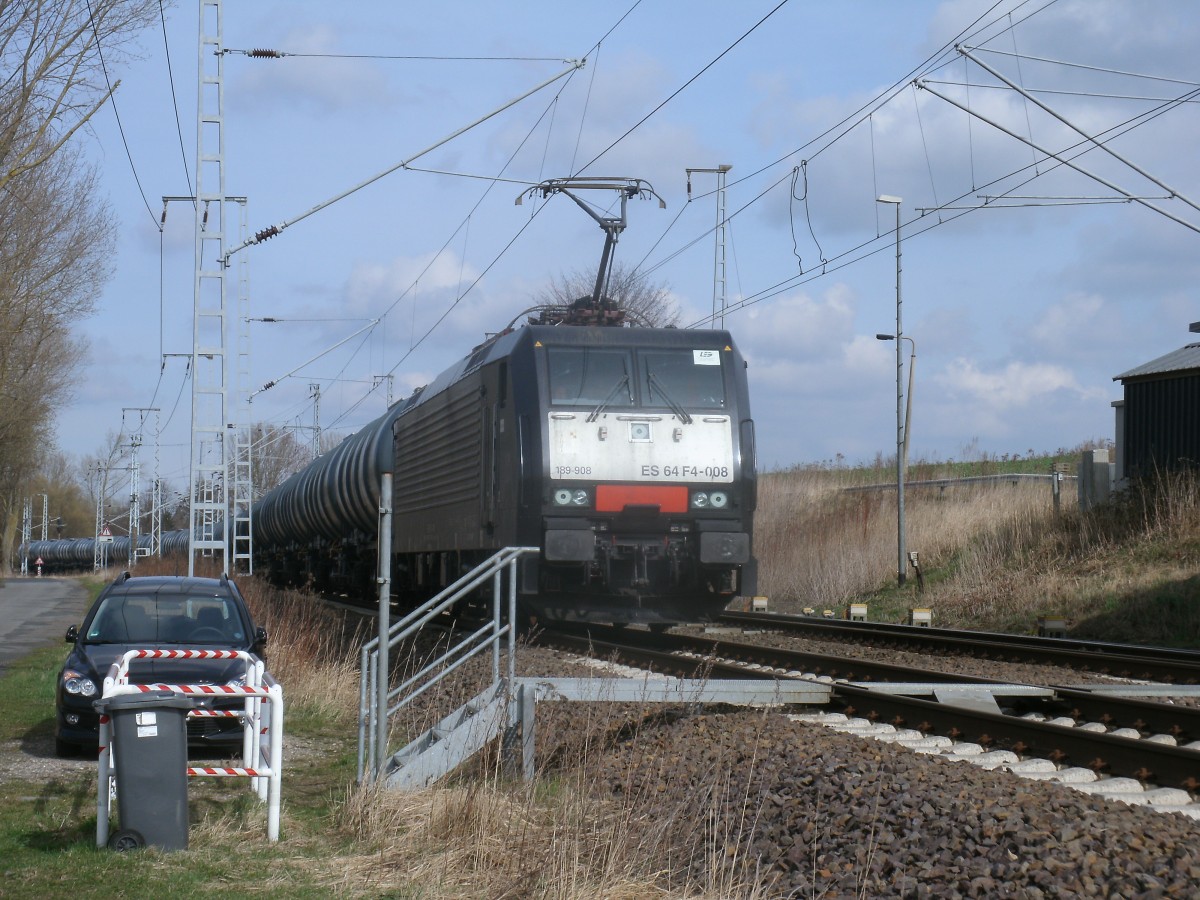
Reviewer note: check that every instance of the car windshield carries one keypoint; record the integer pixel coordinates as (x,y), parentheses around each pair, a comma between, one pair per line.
(689,378)
(146,618)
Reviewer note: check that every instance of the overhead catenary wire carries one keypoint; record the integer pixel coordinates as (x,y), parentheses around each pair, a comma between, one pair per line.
(916,227)
(844,126)
(965,51)
(174,100)
(267,53)
(880,100)
(112,98)
(272,231)
(1096,177)
(681,88)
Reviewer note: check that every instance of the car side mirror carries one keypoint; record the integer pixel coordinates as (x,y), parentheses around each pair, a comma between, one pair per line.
(72,634)
(260,636)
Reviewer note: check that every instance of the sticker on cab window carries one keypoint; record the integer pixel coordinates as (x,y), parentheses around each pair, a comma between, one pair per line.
(706,357)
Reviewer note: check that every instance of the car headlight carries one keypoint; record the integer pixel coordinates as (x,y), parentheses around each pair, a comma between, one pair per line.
(718,499)
(700,500)
(78,684)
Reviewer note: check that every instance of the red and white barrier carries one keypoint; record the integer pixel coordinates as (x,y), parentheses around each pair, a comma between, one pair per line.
(262,746)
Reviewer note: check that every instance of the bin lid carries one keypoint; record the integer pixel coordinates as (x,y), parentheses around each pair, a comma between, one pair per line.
(146,700)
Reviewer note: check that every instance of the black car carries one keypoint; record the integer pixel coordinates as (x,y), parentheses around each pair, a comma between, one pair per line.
(162,613)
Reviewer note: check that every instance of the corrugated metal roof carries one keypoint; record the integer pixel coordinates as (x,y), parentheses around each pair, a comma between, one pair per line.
(1184,358)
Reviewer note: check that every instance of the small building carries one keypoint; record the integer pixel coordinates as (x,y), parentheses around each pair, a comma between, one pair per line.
(1158,421)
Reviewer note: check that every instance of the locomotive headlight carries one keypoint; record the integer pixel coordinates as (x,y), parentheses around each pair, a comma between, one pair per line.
(718,499)
(700,500)
(580,498)
(562,497)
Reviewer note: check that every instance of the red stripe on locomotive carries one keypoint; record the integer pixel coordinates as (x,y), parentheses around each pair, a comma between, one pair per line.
(616,497)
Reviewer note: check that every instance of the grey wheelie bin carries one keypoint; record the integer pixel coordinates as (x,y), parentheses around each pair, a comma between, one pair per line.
(149,738)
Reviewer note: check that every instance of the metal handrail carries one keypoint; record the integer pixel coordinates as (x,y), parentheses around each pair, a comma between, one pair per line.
(371,718)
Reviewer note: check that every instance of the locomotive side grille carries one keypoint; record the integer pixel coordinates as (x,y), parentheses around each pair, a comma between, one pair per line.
(439,456)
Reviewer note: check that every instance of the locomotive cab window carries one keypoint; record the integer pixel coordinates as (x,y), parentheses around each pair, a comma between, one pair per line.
(688,378)
(586,375)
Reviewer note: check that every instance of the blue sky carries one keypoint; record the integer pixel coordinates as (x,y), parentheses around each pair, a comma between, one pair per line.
(1022,311)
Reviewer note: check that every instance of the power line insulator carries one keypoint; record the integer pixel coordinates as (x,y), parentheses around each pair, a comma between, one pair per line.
(264,53)
(266,234)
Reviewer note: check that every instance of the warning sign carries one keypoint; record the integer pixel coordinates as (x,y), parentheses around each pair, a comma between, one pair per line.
(105,536)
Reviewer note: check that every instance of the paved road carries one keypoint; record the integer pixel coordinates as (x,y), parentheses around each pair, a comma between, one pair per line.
(35,612)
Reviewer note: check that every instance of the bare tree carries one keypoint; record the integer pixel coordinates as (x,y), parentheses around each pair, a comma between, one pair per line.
(70,513)
(55,236)
(646,303)
(278,454)
(55,241)
(56,52)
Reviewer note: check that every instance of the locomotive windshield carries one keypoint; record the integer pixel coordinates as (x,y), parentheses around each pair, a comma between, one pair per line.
(689,378)
(590,375)
(602,378)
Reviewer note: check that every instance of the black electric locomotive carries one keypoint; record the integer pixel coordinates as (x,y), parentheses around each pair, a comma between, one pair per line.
(625,454)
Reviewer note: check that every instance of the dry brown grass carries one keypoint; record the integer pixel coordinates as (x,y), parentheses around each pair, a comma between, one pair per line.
(309,650)
(993,556)
(557,838)
(819,545)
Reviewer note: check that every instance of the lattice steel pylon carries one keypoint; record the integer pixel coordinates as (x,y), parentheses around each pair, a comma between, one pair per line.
(135,500)
(136,440)
(720,295)
(99,547)
(243,469)
(26,533)
(207,495)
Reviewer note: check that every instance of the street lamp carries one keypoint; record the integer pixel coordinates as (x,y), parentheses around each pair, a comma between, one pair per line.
(901,567)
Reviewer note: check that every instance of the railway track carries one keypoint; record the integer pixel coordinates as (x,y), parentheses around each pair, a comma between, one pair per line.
(1072,728)
(1161,664)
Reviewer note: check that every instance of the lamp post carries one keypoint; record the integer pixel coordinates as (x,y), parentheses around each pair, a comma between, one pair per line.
(901,567)
(912,364)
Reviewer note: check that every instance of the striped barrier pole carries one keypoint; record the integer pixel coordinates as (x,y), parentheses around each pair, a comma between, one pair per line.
(104,782)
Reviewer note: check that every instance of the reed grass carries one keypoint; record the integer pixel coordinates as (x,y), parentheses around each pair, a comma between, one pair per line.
(992,556)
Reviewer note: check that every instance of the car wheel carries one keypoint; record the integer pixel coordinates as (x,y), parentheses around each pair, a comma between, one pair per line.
(126,839)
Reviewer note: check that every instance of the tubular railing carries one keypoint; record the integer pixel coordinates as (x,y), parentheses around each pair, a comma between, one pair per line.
(499,629)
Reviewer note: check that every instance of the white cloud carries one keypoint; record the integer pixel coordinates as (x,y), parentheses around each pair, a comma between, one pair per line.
(800,326)
(1016,386)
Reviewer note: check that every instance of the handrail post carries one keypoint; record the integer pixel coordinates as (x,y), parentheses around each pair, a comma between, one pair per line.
(512,621)
(496,625)
(384,551)
(363,710)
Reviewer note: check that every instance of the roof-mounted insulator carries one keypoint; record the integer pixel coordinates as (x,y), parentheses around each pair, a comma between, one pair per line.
(266,234)
(263,53)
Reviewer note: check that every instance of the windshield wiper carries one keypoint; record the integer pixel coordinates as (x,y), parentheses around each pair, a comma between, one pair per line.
(671,404)
(595,413)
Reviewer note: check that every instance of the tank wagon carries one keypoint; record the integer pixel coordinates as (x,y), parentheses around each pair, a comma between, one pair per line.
(625,454)
(73,554)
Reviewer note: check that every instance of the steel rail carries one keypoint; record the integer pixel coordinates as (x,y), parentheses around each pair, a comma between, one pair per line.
(1163,764)
(1165,664)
